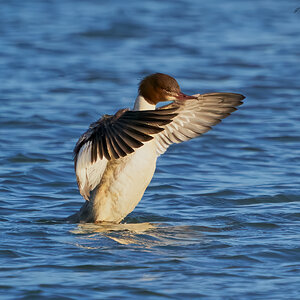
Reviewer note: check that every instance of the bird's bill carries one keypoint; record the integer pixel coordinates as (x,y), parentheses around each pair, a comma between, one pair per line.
(182,96)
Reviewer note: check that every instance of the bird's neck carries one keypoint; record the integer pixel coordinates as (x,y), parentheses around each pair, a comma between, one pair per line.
(142,104)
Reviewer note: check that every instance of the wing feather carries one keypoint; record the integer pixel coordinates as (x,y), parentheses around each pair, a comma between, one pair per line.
(195,117)
(126,148)
(113,137)
(116,146)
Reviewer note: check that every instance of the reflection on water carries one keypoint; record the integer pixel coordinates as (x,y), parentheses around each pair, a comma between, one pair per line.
(107,227)
(143,234)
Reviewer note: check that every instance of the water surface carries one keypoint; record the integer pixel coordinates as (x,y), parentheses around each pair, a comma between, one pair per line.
(221,217)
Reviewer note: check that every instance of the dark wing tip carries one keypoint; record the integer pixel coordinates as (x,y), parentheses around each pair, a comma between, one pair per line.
(116,136)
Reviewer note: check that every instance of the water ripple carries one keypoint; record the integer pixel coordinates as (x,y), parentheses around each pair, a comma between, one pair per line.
(220,218)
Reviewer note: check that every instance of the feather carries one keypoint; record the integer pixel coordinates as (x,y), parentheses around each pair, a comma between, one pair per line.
(195,117)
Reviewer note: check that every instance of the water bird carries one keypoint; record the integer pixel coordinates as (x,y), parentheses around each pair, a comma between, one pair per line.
(115,159)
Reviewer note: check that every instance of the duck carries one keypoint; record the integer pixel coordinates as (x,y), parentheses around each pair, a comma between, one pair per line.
(115,159)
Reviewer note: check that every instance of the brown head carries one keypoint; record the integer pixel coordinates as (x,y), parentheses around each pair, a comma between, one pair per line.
(161,87)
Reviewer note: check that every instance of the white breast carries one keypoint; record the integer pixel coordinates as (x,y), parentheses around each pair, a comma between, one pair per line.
(123,184)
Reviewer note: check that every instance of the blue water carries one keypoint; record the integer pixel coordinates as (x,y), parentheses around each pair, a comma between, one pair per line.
(221,217)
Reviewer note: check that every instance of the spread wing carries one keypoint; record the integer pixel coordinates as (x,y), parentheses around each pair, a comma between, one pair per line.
(113,137)
(195,117)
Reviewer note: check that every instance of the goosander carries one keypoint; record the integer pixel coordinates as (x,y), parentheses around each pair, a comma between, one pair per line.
(115,158)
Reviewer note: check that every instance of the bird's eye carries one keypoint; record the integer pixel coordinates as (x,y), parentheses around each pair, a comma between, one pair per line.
(169,92)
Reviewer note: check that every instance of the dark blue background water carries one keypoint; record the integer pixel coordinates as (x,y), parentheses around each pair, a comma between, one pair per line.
(224,208)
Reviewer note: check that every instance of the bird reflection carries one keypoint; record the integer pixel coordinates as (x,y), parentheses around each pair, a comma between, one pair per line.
(146,235)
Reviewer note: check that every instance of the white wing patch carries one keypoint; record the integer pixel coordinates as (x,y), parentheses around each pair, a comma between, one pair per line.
(88,174)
